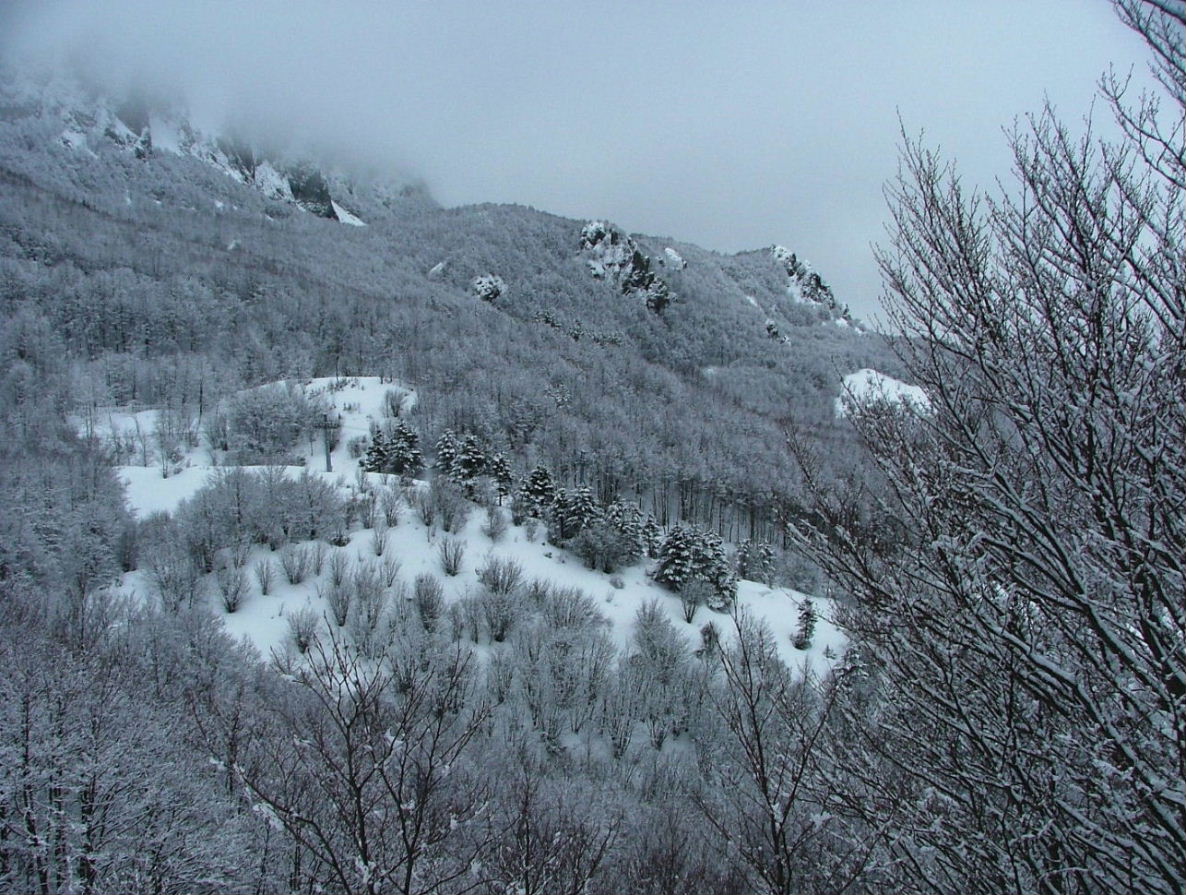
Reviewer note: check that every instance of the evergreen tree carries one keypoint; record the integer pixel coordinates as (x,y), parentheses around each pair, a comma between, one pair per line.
(447,449)
(499,469)
(651,536)
(764,567)
(745,558)
(688,554)
(377,457)
(711,563)
(470,461)
(676,557)
(538,492)
(573,510)
(755,562)
(626,519)
(403,450)
(807,619)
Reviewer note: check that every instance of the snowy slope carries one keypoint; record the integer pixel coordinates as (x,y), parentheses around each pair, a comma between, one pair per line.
(867,387)
(264,619)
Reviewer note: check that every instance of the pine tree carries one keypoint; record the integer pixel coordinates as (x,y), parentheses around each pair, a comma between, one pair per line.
(447,449)
(651,536)
(499,469)
(745,558)
(765,564)
(688,554)
(403,450)
(470,461)
(626,519)
(711,562)
(573,510)
(538,492)
(807,619)
(755,562)
(676,557)
(377,457)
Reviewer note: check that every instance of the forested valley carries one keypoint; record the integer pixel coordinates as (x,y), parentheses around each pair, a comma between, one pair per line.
(618,582)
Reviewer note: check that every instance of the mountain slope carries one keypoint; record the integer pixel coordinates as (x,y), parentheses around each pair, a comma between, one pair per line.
(171,273)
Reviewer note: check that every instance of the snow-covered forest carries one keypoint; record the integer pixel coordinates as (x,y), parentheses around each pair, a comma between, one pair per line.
(353,543)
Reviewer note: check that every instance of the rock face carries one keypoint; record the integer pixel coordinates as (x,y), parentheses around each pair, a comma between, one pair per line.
(311,192)
(613,255)
(90,123)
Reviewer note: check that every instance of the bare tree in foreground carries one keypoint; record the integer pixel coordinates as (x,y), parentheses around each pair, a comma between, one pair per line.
(1023,640)
(369,771)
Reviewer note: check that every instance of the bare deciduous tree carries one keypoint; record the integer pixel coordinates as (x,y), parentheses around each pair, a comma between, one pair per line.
(1026,627)
(371,778)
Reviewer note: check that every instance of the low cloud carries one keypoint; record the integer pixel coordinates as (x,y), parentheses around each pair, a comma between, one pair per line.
(732,125)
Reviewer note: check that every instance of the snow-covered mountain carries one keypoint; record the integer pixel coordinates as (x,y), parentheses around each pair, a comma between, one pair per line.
(92,123)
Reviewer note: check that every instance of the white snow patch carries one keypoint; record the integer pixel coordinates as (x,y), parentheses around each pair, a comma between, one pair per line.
(674,259)
(76,140)
(272,183)
(149,492)
(346,217)
(869,387)
(437,270)
(167,135)
(753,301)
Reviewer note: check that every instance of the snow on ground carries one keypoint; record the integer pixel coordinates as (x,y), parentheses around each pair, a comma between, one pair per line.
(357,402)
(272,183)
(149,492)
(346,217)
(76,139)
(871,387)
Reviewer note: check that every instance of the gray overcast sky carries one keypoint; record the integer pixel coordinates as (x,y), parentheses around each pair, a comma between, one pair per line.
(730,124)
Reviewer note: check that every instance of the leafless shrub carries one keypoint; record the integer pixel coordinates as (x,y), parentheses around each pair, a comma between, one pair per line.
(500,676)
(537,592)
(232,586)
(367,582)
(451,552)
(366,610)
(425,506)
(390,569)
(471,613)
(294,559)
(302,627)
(500,610)
(570,607)
(317,554)
(265,574)
(338,597)
(693,594)
(175,576)
(430,601)
(379,537)
(501,575)
(456,616)
(389,503)
(451,506)
(496,524)
(339,567)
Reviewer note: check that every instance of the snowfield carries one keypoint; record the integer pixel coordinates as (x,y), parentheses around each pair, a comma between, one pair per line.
(868,387)
(263,619)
